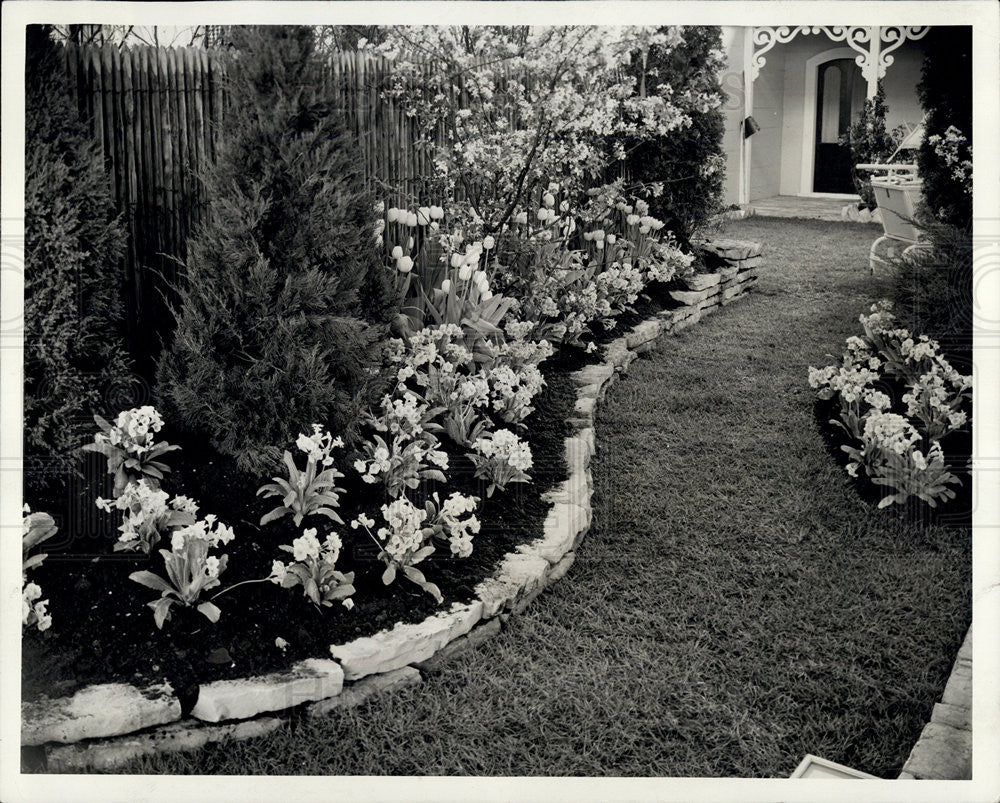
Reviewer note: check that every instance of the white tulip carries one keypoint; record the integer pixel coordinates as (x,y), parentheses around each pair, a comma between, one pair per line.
(397,252)
(488,242)
(549,199)
(411,219)
(392,215)
(457,260)
(465,272)
(611,239)
(404,264)
(424,215)
(446,285)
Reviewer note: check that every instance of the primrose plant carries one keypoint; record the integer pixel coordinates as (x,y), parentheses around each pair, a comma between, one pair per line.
(146,514)
(309,492)
(36,528)
(314,568)
(408,453)
(410,533)
(191,570)
(502,458)
(131,448)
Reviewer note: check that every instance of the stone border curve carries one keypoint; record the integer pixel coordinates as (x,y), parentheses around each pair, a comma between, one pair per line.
(101,727)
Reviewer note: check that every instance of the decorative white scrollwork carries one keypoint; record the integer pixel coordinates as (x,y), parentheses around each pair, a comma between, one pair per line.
(857,37)
(764,38)
(892,37)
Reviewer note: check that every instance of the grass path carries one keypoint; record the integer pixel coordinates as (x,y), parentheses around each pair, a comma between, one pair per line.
(735,604)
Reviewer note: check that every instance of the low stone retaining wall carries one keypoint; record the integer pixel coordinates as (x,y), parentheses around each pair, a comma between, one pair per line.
(101,727)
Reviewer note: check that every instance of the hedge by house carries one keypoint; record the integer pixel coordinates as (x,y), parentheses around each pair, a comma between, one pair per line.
(276,318)
(73,341)
(689,162)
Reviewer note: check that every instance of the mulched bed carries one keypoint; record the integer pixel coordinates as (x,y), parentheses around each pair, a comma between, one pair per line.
(103,632)
(957,448)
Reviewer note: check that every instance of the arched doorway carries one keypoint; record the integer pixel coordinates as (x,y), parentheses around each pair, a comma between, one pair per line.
(840,96)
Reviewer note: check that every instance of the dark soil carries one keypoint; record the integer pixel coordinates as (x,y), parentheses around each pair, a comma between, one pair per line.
(103,631)
(957,449)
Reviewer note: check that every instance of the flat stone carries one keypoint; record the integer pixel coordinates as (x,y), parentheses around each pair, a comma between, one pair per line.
(905,776)
(356,693)
(710,303)
(942,753)
(476,636)
(112,753)
(584,407)
(617,353)
(594,374)
(955,716)
(643,333)
(517,574)
(562,526)
(728,274)
(559,570)
(965,652)
(589,391)
(959,688)
(751,263)
(524,600)
(732,292)
(109,709)
(690,320)
(578,450)
(693,296)
(312,679)
(405,643)
(701,281)
(732,249)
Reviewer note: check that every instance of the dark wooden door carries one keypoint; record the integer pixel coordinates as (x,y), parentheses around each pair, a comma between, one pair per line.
(839,94)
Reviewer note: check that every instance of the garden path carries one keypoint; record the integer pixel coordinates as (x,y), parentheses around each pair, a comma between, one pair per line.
(735,605)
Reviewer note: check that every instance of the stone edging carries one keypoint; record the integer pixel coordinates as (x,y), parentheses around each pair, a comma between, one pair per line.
(944,750)
(101,727)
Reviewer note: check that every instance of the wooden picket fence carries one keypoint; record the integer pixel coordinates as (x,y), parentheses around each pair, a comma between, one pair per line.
(160,115)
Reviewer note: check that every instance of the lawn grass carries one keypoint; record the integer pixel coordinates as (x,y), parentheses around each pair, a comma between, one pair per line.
(735,606)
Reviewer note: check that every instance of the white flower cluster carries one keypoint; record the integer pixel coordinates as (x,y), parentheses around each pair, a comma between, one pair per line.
(34,611)
(505,447)
(512,391)
(460,531)
(955,151)
(403,534)
(133,430)
(308,549)
(319,445)
(208,529)
(620,284)
(147,513)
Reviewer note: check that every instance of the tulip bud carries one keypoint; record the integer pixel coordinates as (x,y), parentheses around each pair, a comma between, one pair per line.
(457,260)
(465,272)
(553,187)
(588,236)
(446,285)
(488,242)
(564,206)
(611,239)
(486,295)
(409,244)
(404,264)
(411,219)
(521,217)
(392,215)
(644,230)
(397,252)
(632,219)
(424,215)
(434,225)
(599,245)
(549,199)
(599,234)
(543,213)
(437,213)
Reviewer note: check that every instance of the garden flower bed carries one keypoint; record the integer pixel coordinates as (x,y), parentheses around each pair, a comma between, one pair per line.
(234,669)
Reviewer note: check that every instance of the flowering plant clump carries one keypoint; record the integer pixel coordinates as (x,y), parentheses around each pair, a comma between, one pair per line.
(190,569)
(147,514)
(410,532)
(513,389)
(312,491)
(955,151)
(130,447)
(900,449)
(314,568)
(409,455)
(36,528)
(502,458)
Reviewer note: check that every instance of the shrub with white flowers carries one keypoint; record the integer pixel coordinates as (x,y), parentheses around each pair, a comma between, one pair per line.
(314,568)
(502,458)
(146,514)
(899,449)
(191,570)
(130,446)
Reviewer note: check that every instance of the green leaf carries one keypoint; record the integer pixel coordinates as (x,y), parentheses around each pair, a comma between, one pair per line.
(161,610)
(330,514)
(151,580)
(274,515)
(210,611)
(389,574)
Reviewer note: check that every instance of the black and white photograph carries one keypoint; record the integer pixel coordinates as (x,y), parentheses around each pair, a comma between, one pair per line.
(501,400)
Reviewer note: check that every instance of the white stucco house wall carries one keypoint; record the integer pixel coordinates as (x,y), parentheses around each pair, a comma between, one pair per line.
(803,86)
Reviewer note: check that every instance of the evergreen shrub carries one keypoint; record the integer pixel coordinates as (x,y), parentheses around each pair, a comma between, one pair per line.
(74,352)
(279,315)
